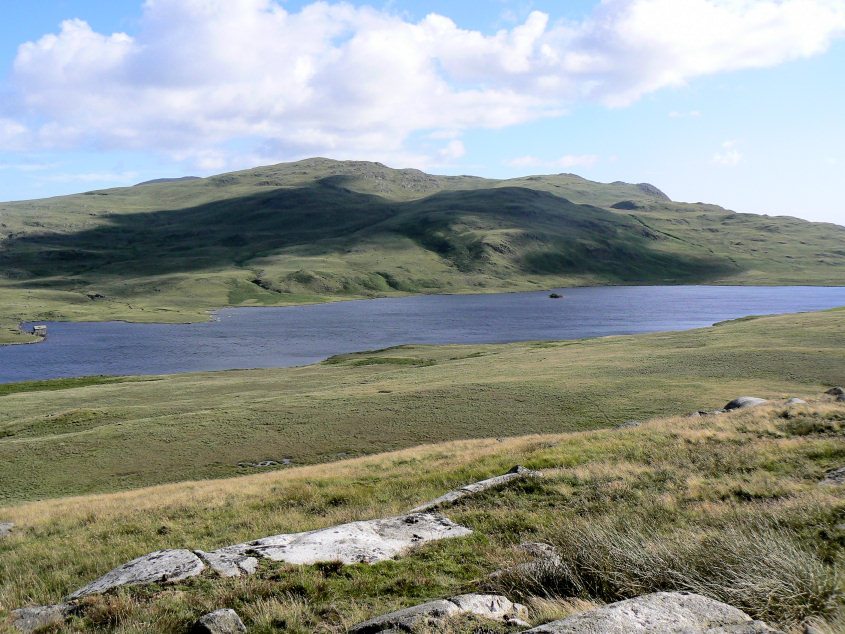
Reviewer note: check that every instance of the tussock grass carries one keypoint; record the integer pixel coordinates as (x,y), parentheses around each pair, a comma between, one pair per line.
(755,564)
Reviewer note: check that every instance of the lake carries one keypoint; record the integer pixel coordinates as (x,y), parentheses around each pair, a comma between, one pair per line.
(298,335)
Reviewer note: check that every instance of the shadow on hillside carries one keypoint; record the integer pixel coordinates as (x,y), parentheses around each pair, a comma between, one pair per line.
(553,235)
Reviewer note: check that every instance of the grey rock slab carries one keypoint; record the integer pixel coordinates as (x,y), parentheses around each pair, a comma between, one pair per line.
(367,541)
(744,401)
(407,618)
(489,606)
(225,621)
(516,473)
(835,477)
(30,619)
(158,566)
(835,391)
(6,528)
(228,564)
(665,612)
(796,401)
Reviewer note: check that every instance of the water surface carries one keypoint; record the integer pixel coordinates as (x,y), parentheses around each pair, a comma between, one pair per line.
(298,335)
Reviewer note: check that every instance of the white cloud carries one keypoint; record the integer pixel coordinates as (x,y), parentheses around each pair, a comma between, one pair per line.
(681,115)
(730,156)
(26,167)
(564,162)
(100,177)
(454,150)
(342,80)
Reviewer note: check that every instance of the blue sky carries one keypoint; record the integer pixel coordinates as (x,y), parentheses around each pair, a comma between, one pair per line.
(734,102)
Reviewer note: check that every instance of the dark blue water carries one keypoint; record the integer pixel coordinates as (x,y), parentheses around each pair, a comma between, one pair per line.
(271,337)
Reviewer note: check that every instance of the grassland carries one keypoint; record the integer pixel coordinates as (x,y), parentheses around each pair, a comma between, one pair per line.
(320,230)
(729,506)
(98,435)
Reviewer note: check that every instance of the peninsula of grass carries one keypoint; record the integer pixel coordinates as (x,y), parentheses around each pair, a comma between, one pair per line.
(94,436)
(728,506)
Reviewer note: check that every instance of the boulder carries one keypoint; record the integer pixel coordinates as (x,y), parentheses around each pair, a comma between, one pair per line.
(835,391)
(30,619)
(408,618)
(516,473)
(6,528)
(494,607)
(158,566)
(744,401)
(488,606)
(228,564)
(835,477)
(366,541)
(664,612)
(224,621)
(796,401)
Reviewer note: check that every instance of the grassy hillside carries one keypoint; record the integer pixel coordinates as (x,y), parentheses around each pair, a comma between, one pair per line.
(71,437)
(727,506)
(319,229)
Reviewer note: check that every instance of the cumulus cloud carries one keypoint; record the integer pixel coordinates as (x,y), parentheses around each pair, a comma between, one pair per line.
(200,76)
(730,156)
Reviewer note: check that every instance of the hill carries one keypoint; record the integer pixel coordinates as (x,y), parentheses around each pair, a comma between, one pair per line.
(318,229)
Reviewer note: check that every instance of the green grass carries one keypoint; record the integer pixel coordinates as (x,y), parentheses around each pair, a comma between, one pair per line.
(729,506)
(133,433)
(319,230)
(50,385)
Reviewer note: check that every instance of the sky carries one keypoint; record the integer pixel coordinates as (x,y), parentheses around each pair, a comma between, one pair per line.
(731,102)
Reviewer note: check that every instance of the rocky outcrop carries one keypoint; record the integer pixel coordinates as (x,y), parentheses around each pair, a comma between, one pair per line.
(6,529)
(664,612)
(836,391)
(744,401)
(489,606)
(835,477)
(366,541)
(159,566)
(31,619)
(516,473)
(224,621)
(228,564)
